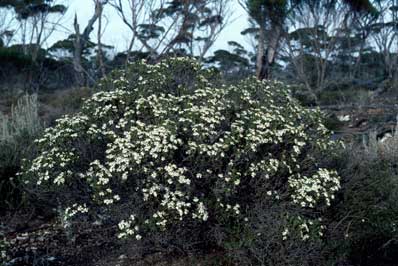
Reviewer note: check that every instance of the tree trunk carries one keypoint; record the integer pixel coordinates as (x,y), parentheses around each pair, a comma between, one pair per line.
(77,56)
(274,38)
(266,59)
(99,44)
(260,65)
(81,41)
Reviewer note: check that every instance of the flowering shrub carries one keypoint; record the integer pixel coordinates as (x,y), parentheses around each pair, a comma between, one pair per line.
(164,145)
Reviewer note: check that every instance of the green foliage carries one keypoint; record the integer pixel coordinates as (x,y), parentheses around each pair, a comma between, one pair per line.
(362,6)
(166,152)
(275,10)
(28,8)
(200,17)
(17,132)
(149,31)
(234,65)
(68,45)
(14,56)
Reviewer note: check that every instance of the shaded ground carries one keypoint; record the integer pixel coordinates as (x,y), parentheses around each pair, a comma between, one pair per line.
(43,241)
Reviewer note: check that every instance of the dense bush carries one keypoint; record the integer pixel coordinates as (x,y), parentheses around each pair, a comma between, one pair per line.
(171,156)
(17,132)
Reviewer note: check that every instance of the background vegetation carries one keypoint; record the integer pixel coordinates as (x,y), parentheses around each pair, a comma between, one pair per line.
(338,56)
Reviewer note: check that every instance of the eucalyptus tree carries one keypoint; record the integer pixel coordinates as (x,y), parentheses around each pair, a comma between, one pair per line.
(325,42)
(235,63)
(272,17)
(38,20)
(384,34)
(177,27)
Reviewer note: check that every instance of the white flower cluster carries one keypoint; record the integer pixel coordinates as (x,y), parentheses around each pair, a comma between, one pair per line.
(190,153)
(303,228)
(4,247)
(309,191)
(128,228)
(74,209)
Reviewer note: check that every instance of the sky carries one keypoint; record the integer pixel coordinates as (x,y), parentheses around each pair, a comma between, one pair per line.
(117,34)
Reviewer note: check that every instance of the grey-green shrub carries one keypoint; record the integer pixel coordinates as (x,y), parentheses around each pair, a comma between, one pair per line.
(24,119)
(17,132)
